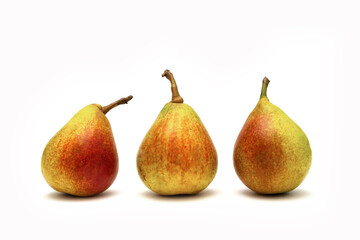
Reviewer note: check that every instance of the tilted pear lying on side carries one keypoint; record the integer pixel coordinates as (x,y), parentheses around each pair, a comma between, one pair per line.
(81,159)
(177,155)
(272,154)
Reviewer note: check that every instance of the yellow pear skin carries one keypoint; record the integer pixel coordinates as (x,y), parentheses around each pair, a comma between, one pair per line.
(272,154)
(177,155)
(81,159)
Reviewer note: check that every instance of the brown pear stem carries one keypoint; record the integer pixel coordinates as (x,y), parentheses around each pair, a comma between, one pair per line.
(265,84)
(176,98)
(117,103)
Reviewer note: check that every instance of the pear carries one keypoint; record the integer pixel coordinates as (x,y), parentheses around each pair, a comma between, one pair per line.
(177,155)
(81,159)
(271,154)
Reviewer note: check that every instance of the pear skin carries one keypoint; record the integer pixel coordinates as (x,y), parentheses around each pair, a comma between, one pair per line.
(177,155)
(272,154)
(81,159)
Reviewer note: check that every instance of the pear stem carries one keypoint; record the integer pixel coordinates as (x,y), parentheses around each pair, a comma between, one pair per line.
(176,98)
(265,84)
(116,103)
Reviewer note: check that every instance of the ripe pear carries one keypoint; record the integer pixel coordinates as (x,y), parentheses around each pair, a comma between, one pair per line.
(177,155)
(271,154)
(81,159)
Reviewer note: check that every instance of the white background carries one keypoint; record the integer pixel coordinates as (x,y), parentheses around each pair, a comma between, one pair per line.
(58,56)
